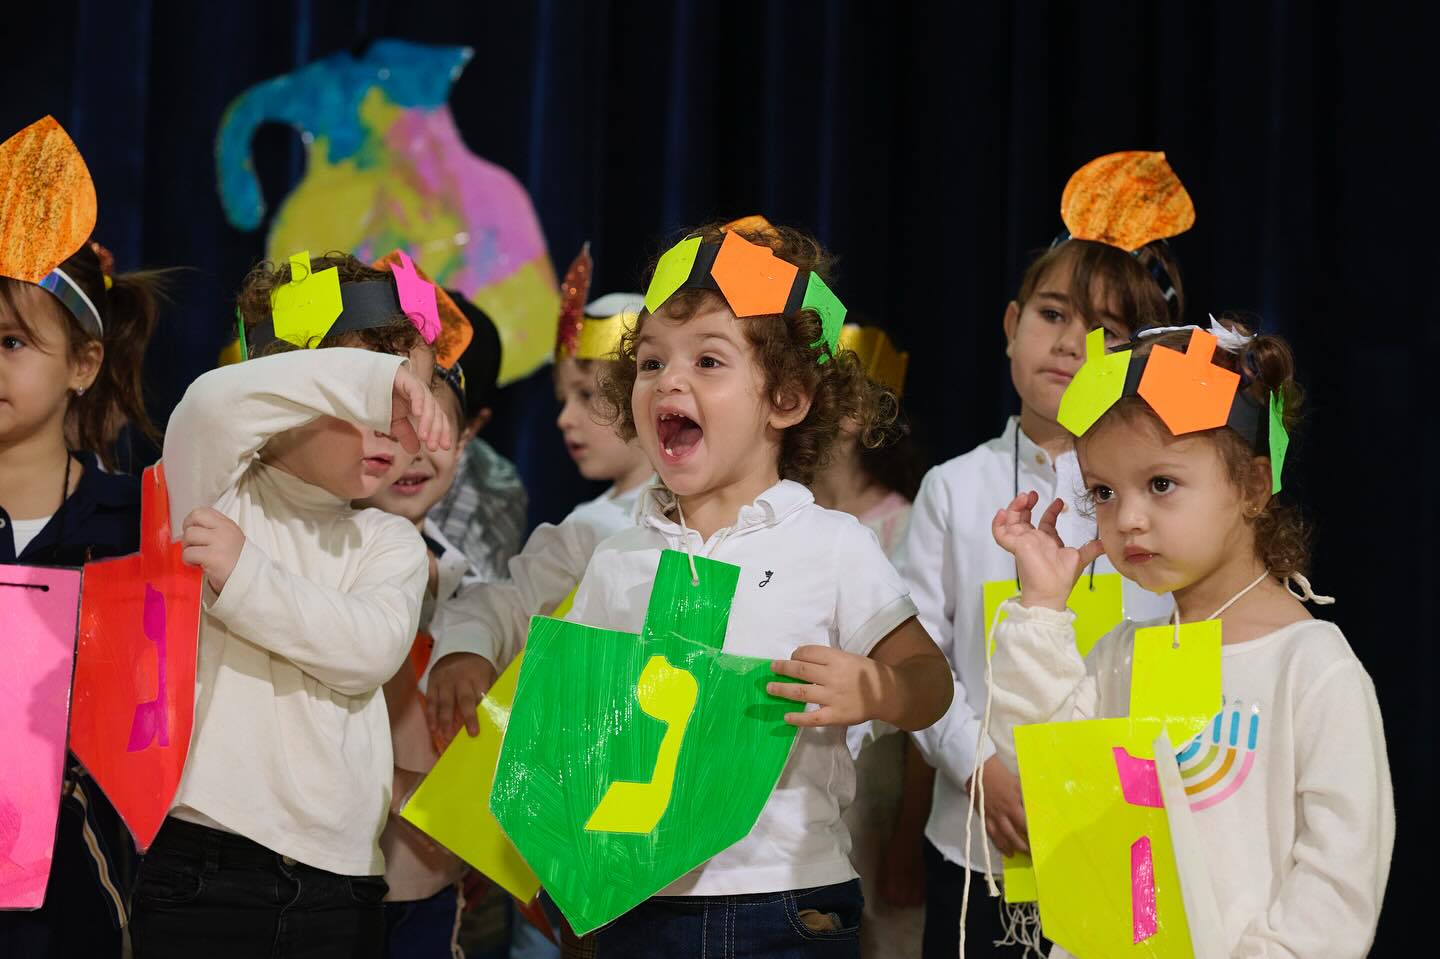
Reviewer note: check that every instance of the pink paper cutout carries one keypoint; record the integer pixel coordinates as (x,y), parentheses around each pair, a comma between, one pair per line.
(417,298)
(1138,780)
(1142,889)
(149,722)
(40,608)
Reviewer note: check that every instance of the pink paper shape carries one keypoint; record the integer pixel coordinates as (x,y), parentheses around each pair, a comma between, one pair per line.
(1142,889)
(417,298)
(40,608)
(149,722)
(1138,781)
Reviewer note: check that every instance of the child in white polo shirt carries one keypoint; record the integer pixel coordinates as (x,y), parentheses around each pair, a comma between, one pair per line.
(736,389)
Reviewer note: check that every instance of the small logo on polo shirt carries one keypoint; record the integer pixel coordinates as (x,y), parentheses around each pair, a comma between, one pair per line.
(766,581)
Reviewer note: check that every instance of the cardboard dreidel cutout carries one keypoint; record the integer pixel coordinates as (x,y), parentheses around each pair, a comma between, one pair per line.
(134,700)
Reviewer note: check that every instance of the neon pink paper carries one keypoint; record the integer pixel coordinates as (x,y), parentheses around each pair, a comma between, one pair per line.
(1142,889)
(40,608)
(1138,782)
(417,298)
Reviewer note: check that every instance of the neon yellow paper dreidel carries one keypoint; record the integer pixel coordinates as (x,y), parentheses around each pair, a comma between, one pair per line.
(304,309)
(1100,839)
(1179,685)
(667,694)
(1018,881)
(1098,603)
(672,270)
(452,804)
(1096,387)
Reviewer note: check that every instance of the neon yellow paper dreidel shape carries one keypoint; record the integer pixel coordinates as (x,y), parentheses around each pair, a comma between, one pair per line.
(1018,881)
(1096,387)
(1098,603)
(671,272)
(667,694)
(304,309)
(452,804)
(1104,862)
(1177,685)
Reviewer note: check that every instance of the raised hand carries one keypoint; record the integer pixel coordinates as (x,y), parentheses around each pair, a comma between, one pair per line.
(415,415)
(1048,568)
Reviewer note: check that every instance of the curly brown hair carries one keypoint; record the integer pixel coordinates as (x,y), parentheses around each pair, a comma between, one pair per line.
(1098,269)
(129,310)
(782,346)
(1266,366)
(253,303)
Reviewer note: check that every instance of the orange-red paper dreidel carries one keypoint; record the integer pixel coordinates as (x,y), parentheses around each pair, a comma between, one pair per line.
(754,280)
(134,692)
(1186,390)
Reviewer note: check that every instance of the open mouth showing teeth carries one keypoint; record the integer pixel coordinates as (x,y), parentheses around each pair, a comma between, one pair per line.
(411,481)
(679,434)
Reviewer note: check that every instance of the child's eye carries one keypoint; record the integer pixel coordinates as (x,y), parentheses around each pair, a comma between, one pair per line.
(709,363)
(1161,485)
(11,343)
(648,365)
(586,396)
(1054,316)
(1101,494)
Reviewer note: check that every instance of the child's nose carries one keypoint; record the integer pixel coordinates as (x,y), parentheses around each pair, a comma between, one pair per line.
(1071,341)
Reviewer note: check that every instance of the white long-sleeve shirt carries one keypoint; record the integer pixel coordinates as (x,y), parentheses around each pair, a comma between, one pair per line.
(1297,838)
(946,558)
(291,745)
(492,619)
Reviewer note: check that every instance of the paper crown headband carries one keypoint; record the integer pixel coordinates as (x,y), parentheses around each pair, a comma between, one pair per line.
(47,213)
(751,278)
(315,304)
(881,361)
(1186,390)
(1127,200)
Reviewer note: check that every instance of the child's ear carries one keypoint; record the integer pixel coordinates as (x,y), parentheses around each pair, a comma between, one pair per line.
(1258,485)
(789,408)
(1011,324)
(85,365)
(475,424)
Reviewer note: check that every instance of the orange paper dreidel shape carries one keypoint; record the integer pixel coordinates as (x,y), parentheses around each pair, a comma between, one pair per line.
(1096,387)
(1126,200)
(134,690)
(754,280)
(1186,390)
(47,201)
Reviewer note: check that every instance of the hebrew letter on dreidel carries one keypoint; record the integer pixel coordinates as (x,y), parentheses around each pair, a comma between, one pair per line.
(667,694)
(150,723)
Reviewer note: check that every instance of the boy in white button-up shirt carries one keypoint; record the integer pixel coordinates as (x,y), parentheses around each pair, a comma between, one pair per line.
(735,414)
(949,553)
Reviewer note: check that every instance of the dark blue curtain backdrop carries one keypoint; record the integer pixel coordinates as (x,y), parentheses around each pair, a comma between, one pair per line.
(928,144)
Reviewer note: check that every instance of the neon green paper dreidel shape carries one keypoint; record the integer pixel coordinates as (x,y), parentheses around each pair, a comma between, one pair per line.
(1279,440)
(671,272)
(1096,387)
(1098,603)
(452,804)
(818,297)
(304,309)
(605,740)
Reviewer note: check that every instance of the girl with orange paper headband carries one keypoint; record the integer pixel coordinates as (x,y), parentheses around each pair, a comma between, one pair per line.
(1111,270)
(735,385)
(1280,812)
(892,783)
(72,337)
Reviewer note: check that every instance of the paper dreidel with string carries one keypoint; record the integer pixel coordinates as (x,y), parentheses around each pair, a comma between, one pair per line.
(1099,835)
(134,700)
(630,760)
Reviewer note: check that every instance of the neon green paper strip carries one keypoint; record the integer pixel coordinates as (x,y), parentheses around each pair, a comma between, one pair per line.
(1279,440)
(819,298)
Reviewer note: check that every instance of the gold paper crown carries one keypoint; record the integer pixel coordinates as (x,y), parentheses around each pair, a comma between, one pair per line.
(878,357)
(602,324)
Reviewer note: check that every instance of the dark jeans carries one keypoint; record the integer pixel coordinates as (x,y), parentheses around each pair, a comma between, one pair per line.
(423,928)
(800,924)
(203,892)
(944,890)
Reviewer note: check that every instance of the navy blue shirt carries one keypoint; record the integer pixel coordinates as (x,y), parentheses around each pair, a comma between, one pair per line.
(100,519)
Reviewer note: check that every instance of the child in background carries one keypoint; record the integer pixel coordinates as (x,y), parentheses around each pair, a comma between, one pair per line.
(736,414)
(483,630)
(892,782)
(483,511)
(273,845)
(1080,284)
(1297,853)
(425,899)
(72,337)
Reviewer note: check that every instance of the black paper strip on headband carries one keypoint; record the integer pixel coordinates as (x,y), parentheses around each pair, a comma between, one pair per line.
(454,378)
(1157,271)
(364,306)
